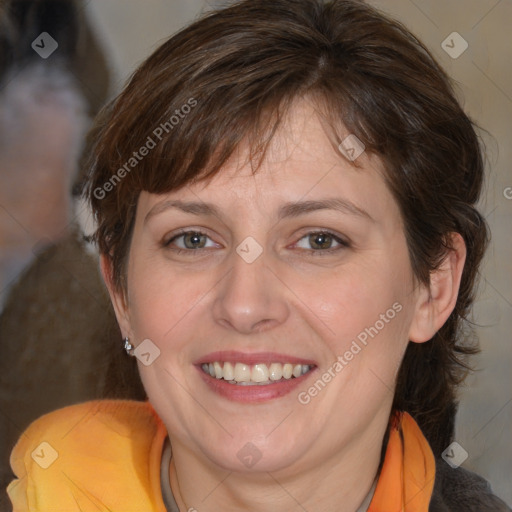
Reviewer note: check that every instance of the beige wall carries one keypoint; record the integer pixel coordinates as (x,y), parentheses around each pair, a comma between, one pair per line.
(132,29)
(484,75)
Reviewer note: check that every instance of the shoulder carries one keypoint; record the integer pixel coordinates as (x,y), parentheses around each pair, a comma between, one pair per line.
(66,458)
(457,489)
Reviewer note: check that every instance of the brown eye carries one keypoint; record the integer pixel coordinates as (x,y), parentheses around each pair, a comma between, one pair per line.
(321,242)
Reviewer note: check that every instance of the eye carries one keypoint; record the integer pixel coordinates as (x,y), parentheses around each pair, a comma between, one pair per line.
(195,241)
(190,241)
(321,242)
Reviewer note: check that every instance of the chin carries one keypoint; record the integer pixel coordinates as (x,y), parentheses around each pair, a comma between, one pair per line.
(245,456)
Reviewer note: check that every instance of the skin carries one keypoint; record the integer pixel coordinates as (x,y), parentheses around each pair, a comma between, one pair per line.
(323,455)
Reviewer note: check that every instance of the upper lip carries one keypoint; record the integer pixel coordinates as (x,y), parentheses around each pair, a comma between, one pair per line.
(233,356)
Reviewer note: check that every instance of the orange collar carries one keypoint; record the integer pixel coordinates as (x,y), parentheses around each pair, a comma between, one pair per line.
(105,455)
(407,477)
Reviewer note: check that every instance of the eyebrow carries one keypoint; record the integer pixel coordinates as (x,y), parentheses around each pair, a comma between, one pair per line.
(292,209)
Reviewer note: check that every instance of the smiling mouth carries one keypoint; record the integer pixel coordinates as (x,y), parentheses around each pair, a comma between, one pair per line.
(255,375)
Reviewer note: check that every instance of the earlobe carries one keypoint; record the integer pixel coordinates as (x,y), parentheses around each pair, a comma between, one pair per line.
(436,302)
(117,297)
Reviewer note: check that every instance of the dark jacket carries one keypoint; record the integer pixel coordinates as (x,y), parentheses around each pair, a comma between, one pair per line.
(460,490)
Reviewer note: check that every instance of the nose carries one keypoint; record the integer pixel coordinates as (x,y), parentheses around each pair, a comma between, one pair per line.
(250,298)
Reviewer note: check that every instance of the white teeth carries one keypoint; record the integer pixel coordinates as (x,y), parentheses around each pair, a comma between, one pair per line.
(242,372)
(287,371)
(258,374)
(276,371)
(218,370)
(228,372)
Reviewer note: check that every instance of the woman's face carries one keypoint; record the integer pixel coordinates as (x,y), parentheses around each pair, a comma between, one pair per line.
(264,292)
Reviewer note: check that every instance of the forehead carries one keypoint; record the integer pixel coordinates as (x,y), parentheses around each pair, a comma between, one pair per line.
(302,162)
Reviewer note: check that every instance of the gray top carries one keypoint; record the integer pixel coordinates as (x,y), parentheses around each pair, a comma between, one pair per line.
(170,502)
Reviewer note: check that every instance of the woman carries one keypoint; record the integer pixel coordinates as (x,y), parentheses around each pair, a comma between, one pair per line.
(285,195)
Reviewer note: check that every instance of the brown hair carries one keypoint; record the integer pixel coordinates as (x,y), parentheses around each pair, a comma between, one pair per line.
(232,75)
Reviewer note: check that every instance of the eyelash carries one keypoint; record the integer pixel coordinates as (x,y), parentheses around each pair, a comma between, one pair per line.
(316,252)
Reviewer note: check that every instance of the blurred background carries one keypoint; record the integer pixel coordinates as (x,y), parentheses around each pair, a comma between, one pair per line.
(49,283)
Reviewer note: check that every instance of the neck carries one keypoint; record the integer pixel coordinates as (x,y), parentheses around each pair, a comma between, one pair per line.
(339,483)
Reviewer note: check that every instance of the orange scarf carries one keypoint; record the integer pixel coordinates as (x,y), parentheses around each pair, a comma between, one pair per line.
(407,477)
(108,455)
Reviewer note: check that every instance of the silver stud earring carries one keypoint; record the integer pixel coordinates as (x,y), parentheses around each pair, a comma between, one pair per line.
(128,346)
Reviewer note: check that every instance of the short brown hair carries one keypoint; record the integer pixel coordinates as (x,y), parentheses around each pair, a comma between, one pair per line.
(243,66)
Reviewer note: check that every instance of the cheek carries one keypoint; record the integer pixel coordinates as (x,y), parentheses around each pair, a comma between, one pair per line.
(168,306)
(355,298)
(366,309)
(157,299)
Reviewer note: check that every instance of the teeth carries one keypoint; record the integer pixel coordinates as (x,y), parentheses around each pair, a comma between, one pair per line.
(242,372)
(276,371)
(228,372)
(245,375)
(218,370)
(259,373)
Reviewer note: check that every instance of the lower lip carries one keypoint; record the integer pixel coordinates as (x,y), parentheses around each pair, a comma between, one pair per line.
(253,394)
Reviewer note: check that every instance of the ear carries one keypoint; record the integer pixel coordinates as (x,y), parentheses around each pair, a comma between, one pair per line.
(118,298)
(436,302)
